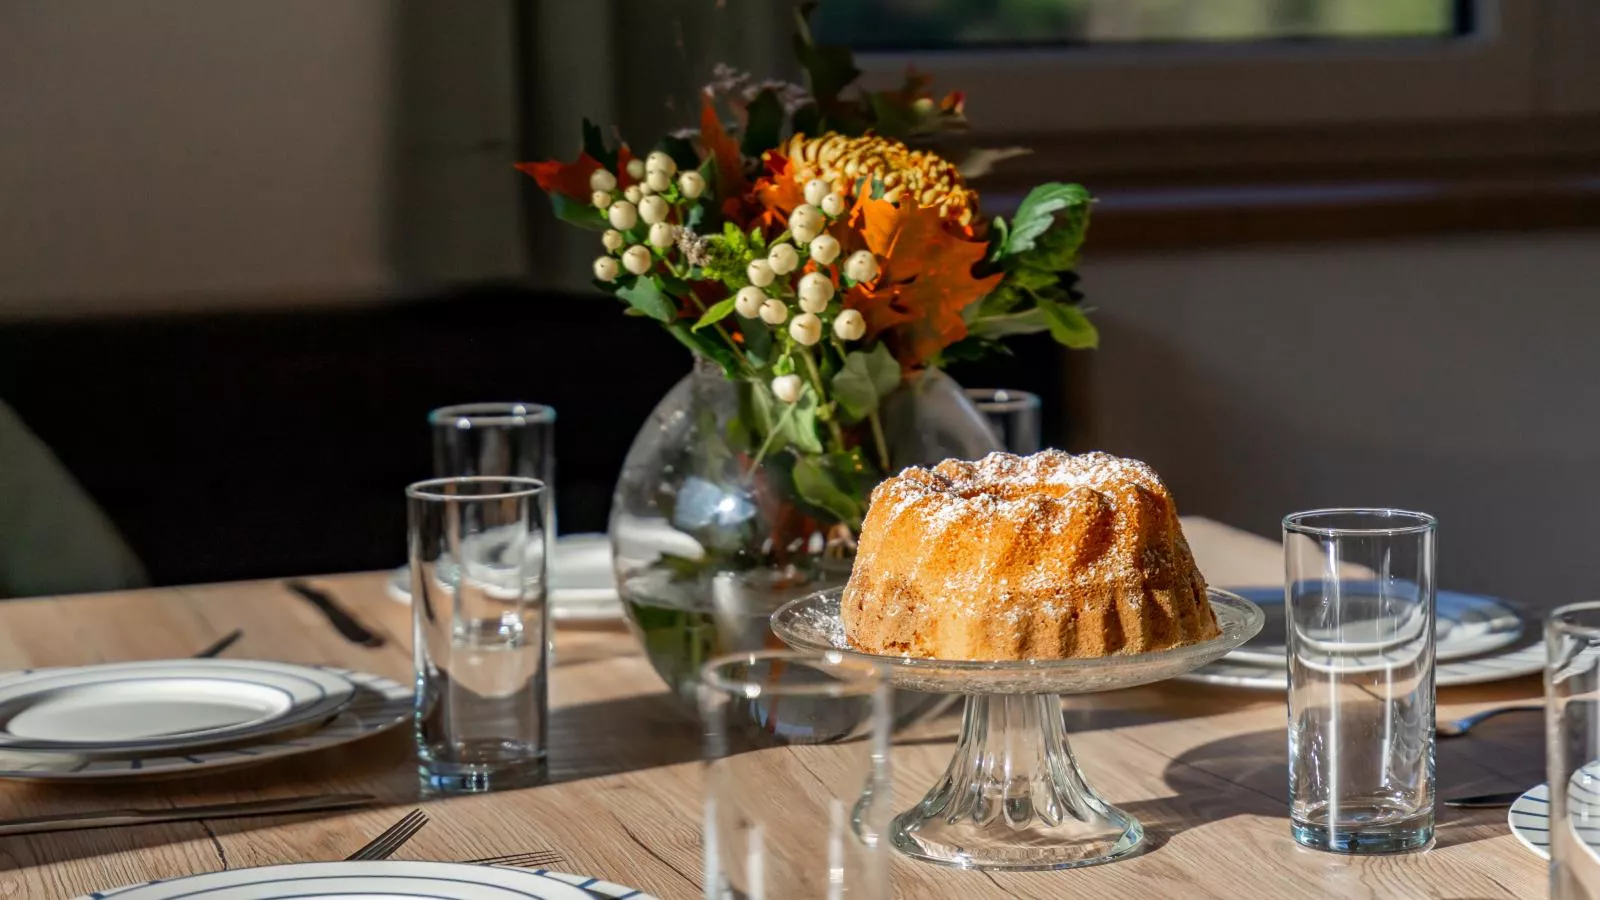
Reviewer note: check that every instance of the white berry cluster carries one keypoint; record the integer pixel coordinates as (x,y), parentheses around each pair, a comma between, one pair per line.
(773,295)
(641,214)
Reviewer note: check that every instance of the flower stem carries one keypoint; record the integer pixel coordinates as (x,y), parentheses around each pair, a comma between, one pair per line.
(816,381)
(761,453)
(879,441)
(726,338)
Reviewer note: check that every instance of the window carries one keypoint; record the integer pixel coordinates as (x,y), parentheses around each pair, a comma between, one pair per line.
(1053,67)
(935,24)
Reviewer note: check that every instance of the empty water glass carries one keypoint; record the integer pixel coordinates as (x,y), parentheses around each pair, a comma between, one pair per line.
(797,777)
(480,632)
(1572,720)
(1013,417)
(500,439)
(1360,598)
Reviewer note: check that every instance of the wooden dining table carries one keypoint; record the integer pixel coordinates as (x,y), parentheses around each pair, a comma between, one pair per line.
(1202,766)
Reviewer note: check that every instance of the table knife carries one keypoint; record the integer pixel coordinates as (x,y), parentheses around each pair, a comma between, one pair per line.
(346,624)
(112,817)
(1484,801)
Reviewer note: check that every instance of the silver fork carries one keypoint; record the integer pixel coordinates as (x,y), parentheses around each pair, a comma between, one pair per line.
(533,859)
(393,838)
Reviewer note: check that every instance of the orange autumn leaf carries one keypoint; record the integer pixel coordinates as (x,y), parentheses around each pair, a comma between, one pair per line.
(724,150)
(778,191)
(572,179)
(926,279)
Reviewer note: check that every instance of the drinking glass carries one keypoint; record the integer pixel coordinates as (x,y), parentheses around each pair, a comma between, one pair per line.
(1572,728)
(480,626)
(1360,616)
(499,439)
(797,776)
(1013,417)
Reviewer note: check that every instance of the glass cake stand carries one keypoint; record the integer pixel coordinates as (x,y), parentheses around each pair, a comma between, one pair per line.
(1013,796)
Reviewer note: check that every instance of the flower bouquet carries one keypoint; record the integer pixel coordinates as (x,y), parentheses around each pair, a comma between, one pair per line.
(822,265)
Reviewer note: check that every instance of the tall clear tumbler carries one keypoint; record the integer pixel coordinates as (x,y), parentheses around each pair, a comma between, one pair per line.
(1572,720)
(1013,417)
(480,630)
(1359,593)
(797,777)
(500,439)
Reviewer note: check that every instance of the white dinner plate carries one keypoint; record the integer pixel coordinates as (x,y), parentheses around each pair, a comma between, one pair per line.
(1529,819)
(163,705)
(582,582)
(1512,663)
(388,880)
(378,704)
(1465,625)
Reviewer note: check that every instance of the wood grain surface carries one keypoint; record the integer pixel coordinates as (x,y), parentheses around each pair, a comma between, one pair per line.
(1202,767)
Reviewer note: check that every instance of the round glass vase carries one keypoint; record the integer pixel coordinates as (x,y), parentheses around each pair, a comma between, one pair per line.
(710,535)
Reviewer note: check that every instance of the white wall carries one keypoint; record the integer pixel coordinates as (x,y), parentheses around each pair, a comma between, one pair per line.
(1460,376)
(156,150)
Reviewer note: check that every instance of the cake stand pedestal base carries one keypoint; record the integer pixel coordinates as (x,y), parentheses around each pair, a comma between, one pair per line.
(1014,797)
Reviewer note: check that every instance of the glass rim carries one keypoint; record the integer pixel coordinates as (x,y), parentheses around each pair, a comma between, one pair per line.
(856,676)
(1557,619)
(1420,522)
(1002,399)
(493,413)
(517,487)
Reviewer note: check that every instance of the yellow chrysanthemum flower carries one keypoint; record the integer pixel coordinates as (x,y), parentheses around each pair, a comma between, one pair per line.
(846,162)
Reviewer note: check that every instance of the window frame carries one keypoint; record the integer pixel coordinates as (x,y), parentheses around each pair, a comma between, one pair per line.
(1516,63)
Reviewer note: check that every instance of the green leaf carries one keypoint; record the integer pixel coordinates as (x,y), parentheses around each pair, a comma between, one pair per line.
(707,346)
(645,295)
(757,341)
(890,117)
(997,242)
(796,424)
(807,120)
(1069,326)
(1057,249)
(1030,278)
(802,425)
(682,152)
(866,378)
(715,314)
(972,348)
(581,214)
(594,144)
(815,485)
(1000,301)
(763,125)
(1030,321)
(1038,211)
(829,70)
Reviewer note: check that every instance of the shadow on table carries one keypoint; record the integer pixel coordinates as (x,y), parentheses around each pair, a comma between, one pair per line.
(587,741)
(1207,779)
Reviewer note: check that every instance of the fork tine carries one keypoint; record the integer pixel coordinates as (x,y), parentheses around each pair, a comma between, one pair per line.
(530,859)
(401,837)
(391,838)
(396,840)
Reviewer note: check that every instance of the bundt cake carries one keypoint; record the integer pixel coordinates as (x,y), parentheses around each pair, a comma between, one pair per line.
(1050,556)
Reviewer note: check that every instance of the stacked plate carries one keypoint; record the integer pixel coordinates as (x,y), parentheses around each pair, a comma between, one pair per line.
(388,880)
(129,720)
(582,584)
(1477,639)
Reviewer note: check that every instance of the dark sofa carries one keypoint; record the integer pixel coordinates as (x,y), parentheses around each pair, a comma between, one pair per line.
(271,443)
